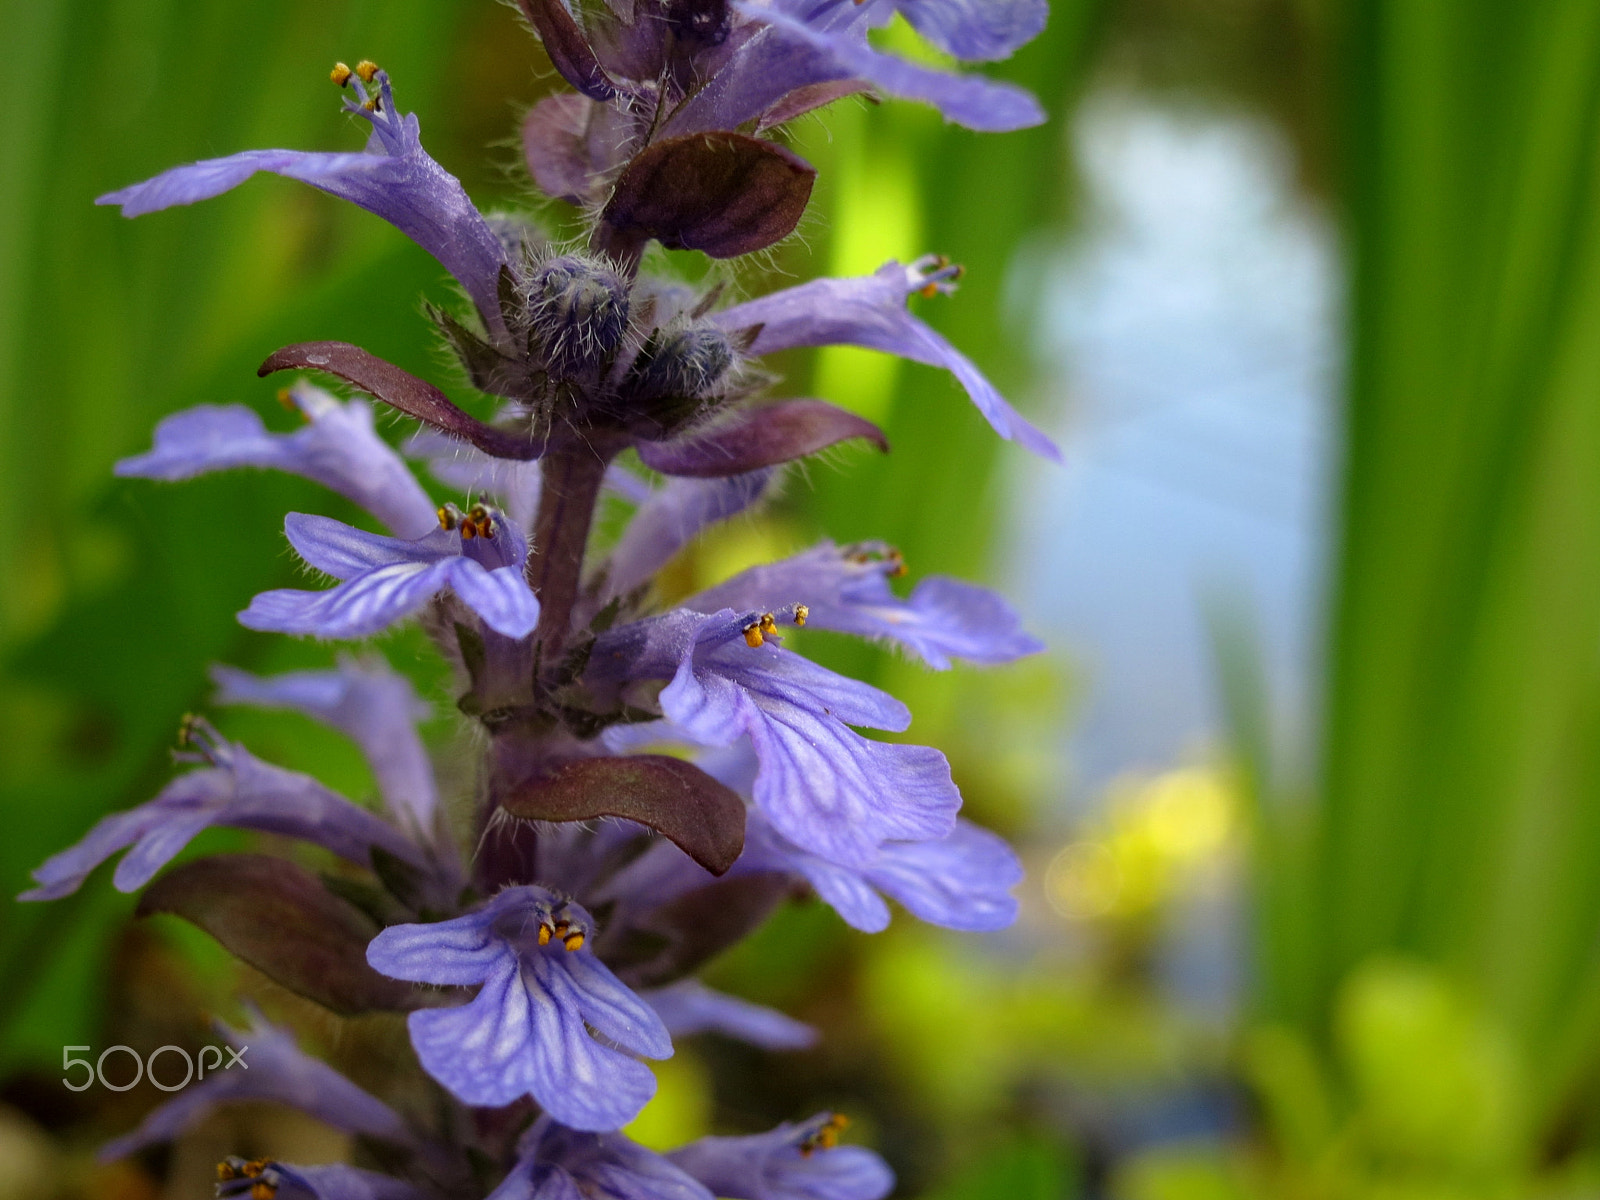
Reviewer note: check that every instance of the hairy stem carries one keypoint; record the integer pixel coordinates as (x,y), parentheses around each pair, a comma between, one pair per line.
(568,492)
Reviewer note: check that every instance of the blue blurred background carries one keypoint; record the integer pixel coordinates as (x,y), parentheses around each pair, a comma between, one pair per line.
(1309,783)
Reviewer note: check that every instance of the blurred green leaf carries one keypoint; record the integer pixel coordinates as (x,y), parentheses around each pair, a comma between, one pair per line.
(1022,1168)
(1459,817)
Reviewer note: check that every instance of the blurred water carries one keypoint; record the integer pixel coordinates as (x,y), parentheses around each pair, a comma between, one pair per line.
(1190,340)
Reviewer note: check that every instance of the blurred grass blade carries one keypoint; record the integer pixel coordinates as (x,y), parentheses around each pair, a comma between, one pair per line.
(1460,814)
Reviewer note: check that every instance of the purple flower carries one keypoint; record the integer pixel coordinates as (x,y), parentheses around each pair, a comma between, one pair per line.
(371,703)
(971,30)
(870,311)
(822,784)
(555,1163)
(393,178)
(526,1033)
(791,1162)
(272,1068)
(477,555)
(845,588)
(836,31)
(234,789)
(338,448)
(786,57)
(689,1007)
(961,881)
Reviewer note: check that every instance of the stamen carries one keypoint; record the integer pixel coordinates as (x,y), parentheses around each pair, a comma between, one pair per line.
(260,1174)
(190,728)
(545,933)
(449,517)
(802,614)
(935,273)
(482,521)
(752,635)
(573,940)
(897,564)
(367,69)
(340,74)
(768,624)
(826,1137)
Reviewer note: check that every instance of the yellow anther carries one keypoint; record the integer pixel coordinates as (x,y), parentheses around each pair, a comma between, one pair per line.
(826,1136)
(262,1189)
(929,291)
(286,398)
(769,624)
(366,68)
(447,517)
(752,635)
(370,105)
(573,940)
(340,74)
(545,933)
(802,614)
(226,1170)
(897,564)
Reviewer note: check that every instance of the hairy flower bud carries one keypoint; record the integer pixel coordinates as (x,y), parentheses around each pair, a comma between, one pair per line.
(578,308)
(674,380)
(686,362)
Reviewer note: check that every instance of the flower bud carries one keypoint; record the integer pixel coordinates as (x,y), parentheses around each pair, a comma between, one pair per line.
(578,308)
(686,363)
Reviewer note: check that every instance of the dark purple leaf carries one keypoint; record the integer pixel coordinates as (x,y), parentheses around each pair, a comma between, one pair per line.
(673,797)
(403,390)
(568,49)
(555,148)
(675,938)
(722,193)
(279,918)
(761,437)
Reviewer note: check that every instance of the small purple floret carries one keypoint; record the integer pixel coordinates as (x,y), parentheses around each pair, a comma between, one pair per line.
(526,1032)
(384,579)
